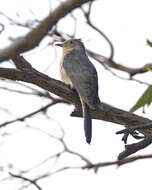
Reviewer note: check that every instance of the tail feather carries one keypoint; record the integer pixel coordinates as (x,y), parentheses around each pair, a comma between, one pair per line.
(87,122)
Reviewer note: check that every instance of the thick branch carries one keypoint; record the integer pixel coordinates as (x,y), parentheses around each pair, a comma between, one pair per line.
(118,116)
(33,38)
(108,113)
(41,80)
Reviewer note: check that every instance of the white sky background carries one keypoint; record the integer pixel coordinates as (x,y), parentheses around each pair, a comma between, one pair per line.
(128,25)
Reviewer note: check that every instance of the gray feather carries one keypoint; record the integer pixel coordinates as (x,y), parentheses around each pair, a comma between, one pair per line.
(83,76)
(87,122)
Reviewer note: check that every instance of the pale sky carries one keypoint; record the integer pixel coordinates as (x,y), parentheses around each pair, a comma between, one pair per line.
(128,25)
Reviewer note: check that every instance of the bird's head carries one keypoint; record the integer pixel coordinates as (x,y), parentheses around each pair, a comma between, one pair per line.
(71,45)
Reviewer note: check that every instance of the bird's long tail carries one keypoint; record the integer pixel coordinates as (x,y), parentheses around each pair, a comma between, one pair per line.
(87,122)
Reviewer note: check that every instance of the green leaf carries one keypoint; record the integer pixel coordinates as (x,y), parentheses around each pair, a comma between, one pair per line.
(145,99)
(149,42)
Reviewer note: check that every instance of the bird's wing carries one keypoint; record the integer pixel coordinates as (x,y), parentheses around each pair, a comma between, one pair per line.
(83,75)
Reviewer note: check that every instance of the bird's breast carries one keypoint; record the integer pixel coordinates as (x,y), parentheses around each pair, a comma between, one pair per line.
(64,76)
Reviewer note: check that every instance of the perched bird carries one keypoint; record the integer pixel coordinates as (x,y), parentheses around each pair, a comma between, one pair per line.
(77,71)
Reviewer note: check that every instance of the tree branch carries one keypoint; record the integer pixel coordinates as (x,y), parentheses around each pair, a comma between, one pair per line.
(33,182)
(108,113)
(23,118)
(90,23)
(111,63)
(117,162)
(33,38)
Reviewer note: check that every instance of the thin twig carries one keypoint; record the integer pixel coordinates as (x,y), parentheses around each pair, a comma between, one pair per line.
(33,182)
(87,16)
(23,118)
(118,162)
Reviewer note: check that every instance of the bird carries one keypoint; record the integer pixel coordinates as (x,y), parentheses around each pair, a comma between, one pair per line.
(77,71)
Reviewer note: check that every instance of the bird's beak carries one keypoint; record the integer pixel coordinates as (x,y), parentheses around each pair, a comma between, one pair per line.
(59,44)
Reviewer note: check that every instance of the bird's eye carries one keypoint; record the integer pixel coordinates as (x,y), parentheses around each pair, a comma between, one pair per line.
(71,43)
